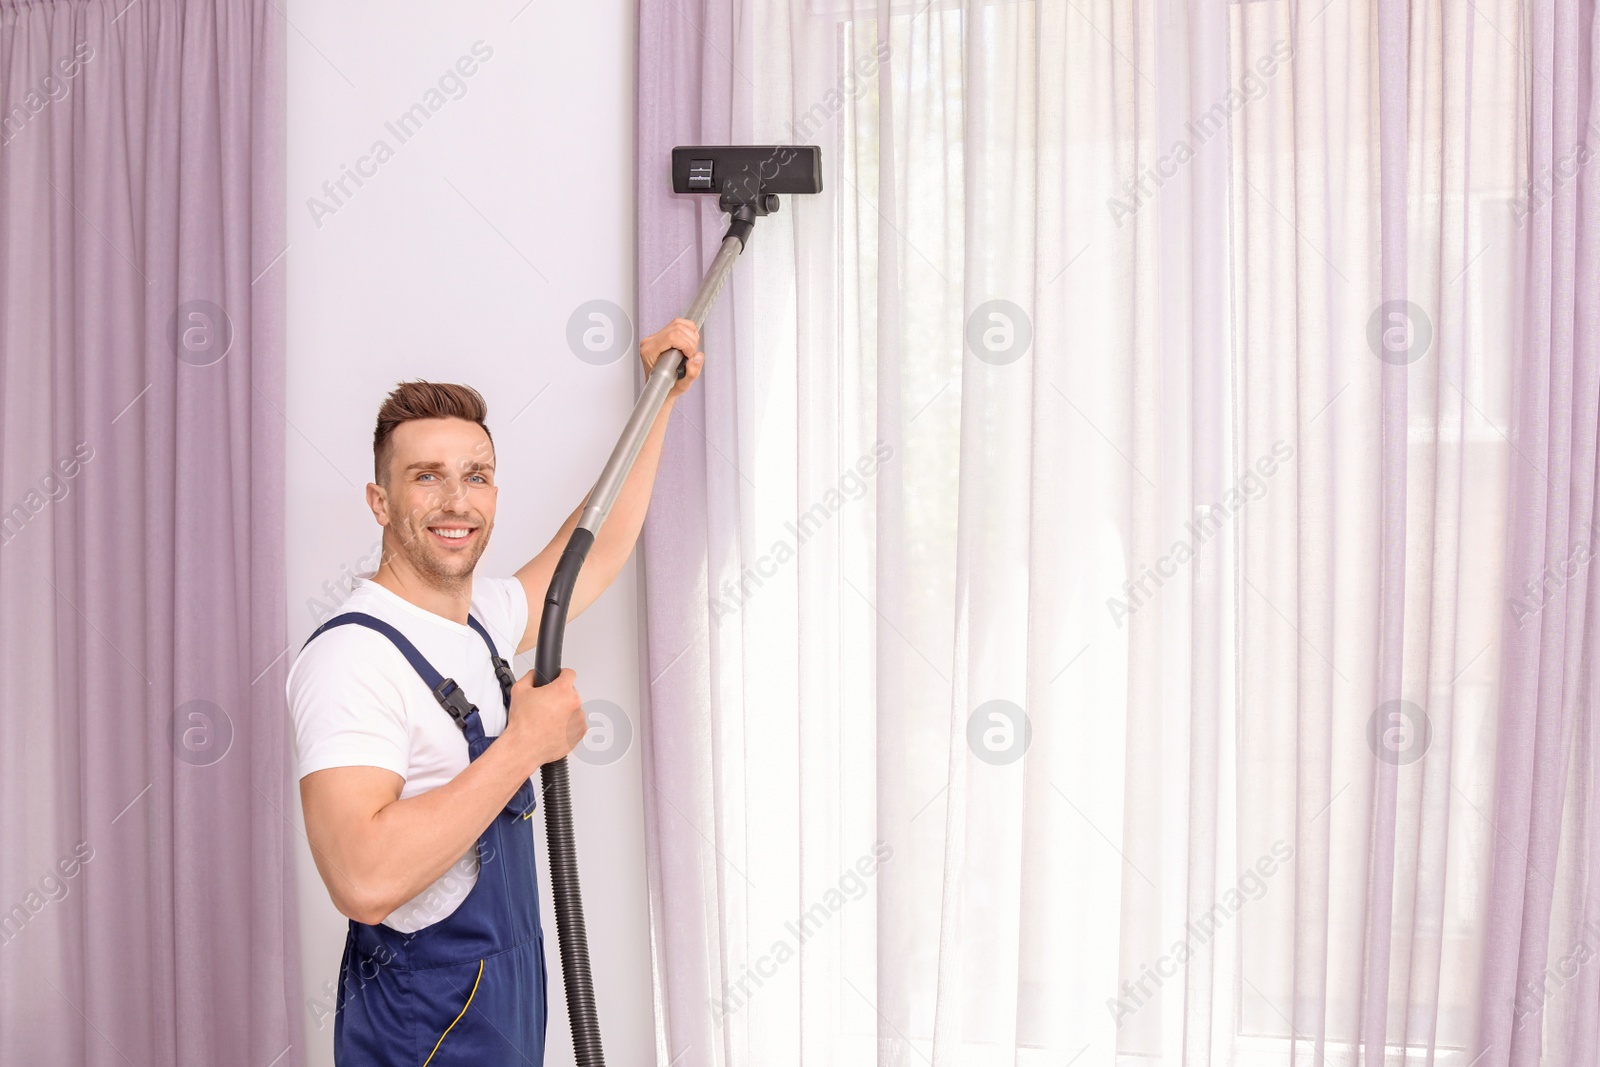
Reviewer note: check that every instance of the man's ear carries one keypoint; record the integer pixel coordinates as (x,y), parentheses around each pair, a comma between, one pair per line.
(378,501)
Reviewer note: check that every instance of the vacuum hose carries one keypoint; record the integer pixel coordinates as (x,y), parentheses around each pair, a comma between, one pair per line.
(563,847)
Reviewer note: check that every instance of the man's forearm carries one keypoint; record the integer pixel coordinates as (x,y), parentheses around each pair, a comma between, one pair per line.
(409,844)
(621,530)
(421,837)
(612,545)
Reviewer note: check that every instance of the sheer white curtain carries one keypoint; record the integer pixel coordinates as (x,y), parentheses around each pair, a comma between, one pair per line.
(1101,491)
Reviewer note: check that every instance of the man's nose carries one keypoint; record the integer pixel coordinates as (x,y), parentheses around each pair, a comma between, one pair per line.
(452,493)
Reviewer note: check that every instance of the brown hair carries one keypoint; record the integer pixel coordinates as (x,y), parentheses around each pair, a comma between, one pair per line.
(423,400)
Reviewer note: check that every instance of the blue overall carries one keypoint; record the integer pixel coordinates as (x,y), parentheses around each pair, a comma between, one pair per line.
(470,988)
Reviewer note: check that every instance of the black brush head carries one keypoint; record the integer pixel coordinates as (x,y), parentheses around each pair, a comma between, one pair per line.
(744,175)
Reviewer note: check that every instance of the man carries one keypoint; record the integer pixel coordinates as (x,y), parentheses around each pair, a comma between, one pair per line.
(416,749)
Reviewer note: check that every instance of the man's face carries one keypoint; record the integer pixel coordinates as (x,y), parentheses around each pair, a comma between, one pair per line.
(438,508)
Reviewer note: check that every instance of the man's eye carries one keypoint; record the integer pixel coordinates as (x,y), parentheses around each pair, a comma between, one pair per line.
(423,475)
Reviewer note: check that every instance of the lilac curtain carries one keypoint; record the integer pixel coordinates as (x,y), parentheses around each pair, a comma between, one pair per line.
(146,894)
(683,97)
(1541,989)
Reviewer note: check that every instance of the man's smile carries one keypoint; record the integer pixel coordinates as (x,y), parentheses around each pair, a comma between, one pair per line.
(453,535)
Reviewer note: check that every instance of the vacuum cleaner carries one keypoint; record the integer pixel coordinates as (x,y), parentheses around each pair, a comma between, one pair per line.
(747,180)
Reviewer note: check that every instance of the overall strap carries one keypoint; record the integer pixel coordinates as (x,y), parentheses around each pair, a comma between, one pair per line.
(450,696)
(502,669)
(525,799)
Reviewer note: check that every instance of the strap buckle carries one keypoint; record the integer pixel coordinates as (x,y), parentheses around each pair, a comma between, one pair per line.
(454,700)
(502,671)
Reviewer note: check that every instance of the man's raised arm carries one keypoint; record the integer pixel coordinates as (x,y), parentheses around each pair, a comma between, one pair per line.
(616,539)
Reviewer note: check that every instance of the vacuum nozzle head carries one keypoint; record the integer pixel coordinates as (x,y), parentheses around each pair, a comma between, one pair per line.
(747,176)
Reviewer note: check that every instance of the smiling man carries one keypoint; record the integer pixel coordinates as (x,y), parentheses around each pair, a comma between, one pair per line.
(416,746)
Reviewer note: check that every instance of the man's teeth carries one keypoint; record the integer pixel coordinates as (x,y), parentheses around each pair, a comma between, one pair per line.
(450,531)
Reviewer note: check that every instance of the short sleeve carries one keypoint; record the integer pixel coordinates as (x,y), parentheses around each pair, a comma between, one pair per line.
(346,708)
(501,604)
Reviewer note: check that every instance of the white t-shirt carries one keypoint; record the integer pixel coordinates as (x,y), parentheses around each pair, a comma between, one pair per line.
(357,702)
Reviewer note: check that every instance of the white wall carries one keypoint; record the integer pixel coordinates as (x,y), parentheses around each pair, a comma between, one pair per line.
(461,258)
